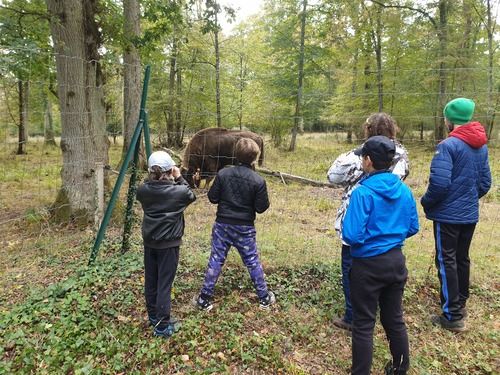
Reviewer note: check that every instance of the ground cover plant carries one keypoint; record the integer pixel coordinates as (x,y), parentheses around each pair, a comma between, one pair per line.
(59,316)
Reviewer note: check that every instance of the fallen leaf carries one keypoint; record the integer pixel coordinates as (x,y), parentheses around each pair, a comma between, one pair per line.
(221,355)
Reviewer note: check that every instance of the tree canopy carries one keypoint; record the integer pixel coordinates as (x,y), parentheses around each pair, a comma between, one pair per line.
(405,58)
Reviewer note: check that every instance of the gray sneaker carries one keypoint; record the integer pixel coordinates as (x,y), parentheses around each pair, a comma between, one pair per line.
(267,301)
(202,304)
(454,326)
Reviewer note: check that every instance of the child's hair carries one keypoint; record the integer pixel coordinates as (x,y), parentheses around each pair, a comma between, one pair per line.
(378,165)
(155,174)
(247,150)
(381,124)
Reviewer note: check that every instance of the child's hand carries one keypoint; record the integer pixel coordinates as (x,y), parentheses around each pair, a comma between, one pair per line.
(176,172)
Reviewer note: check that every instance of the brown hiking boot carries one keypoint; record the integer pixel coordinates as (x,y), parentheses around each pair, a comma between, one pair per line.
(342,324)
(465,312)
(454,326)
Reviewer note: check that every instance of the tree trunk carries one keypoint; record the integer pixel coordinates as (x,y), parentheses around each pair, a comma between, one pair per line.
(354,85)
(23,117)
(377,40)
(490,113)
(290,177)
(443,44)
(48,128)
(242,86)
(179,129)
(131,72)
(171,118)
(217,74)
(84,143)
(26,111)
(301,77)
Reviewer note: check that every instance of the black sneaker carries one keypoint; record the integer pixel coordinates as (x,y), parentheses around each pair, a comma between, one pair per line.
(454,326)
(389,369)
(268,300)
(202,304)
(153,321)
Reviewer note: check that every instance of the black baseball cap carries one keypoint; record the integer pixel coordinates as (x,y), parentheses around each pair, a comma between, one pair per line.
(378,148)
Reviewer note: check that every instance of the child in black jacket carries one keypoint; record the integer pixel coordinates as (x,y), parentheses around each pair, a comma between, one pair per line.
(240,193)
(164,196)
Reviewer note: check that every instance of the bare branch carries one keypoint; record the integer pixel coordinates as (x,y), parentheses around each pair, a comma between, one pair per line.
(290,177)
(23,12)
(418,10)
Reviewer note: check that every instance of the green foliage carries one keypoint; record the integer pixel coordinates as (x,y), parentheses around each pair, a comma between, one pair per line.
(93,322)
(25,57)
(343,80)
(32,216)
(61,209)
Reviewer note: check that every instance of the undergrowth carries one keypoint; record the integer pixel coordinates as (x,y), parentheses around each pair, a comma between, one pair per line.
(94,322)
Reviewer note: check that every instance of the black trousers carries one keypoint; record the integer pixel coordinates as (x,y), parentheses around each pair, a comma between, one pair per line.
(453,264)
(160,267)
(378,281)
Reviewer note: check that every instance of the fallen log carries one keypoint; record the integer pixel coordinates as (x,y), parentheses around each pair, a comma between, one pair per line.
(290,177)
(281,175)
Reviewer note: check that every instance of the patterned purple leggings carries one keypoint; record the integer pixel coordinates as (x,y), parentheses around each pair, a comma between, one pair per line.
(243,238)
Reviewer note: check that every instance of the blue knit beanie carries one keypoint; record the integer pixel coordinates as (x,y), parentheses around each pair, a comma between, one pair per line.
(459,111)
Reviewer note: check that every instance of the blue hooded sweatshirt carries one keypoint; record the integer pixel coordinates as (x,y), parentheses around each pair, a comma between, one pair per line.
(382,213)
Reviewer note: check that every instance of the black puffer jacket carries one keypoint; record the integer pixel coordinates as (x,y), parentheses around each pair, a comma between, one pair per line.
(240,193)
(163,203)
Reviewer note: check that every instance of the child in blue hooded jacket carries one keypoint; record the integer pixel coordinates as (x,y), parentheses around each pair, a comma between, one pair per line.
(382,213)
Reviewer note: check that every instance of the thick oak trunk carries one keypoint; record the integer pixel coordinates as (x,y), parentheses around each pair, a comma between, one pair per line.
(131,72)
(83,138)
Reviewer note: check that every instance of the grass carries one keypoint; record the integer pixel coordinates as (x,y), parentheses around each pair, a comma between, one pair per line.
(58,316)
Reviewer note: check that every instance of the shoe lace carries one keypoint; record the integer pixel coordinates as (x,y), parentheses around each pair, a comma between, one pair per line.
(158,323)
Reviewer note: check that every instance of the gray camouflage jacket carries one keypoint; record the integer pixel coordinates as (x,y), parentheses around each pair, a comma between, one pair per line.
(347,170)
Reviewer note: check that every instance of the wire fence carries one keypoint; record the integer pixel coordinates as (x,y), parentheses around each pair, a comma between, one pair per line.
(30,182)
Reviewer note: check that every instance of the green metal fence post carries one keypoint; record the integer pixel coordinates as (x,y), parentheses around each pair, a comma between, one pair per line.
(134,147)
(129,211)
(147,138)
(114,195)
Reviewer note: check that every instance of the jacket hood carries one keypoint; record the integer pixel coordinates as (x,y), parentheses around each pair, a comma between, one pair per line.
(384,183)
(472,133)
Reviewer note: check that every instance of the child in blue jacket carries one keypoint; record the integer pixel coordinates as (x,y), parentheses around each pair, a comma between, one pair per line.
(382,213)
(345,172)
(459,176)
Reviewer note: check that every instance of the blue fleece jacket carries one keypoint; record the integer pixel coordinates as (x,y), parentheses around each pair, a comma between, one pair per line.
(460,175)
(382,213)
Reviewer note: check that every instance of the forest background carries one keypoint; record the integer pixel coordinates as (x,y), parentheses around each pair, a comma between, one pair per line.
(303,74)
